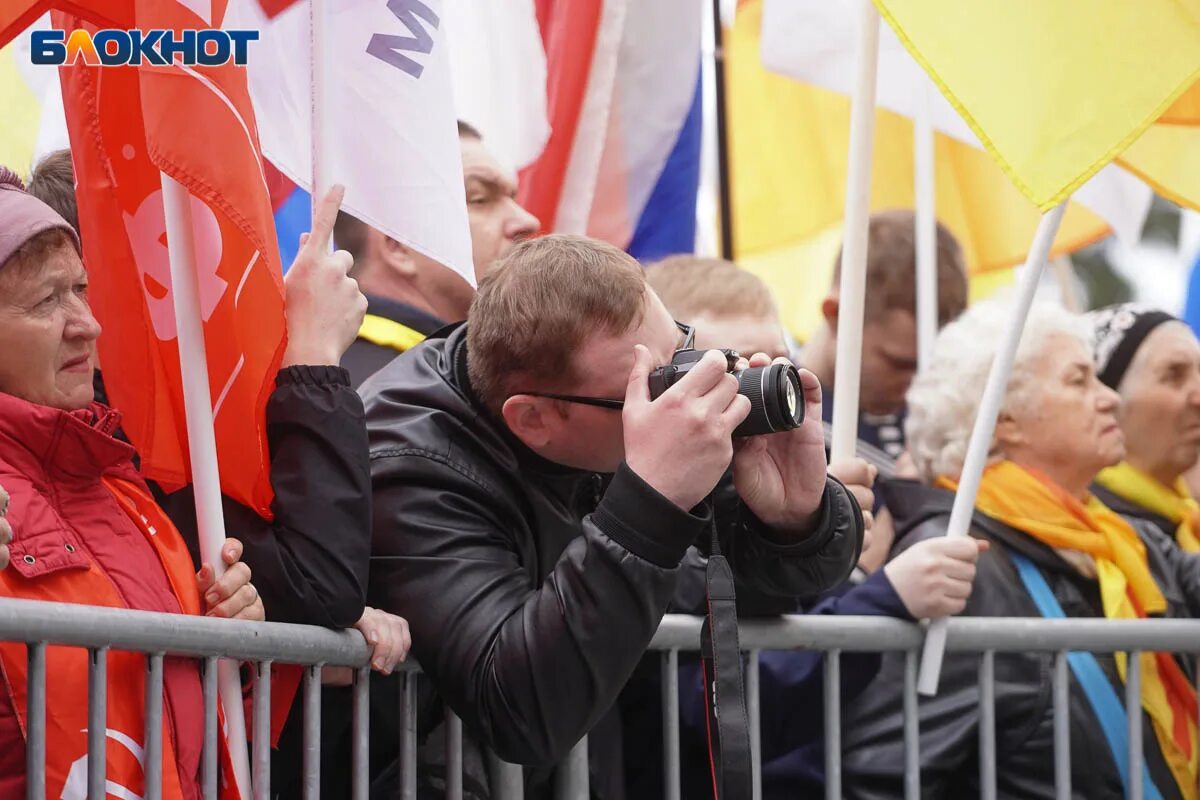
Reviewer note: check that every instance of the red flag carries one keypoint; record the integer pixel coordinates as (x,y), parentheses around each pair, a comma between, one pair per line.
(17,15)
(196,125)
(274,7)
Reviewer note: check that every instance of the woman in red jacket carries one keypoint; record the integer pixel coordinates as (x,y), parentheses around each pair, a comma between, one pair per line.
(83,527)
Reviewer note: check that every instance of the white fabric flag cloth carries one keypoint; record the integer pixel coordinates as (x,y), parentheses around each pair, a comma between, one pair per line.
(498,67)
(392,133)
(813,41)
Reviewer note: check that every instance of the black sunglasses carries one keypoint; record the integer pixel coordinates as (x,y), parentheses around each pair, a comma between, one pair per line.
(689,340)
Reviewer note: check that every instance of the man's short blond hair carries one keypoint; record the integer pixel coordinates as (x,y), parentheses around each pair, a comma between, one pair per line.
(690,286)
(537,305)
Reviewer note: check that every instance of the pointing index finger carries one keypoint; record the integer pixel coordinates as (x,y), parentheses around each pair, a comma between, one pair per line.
(322,229)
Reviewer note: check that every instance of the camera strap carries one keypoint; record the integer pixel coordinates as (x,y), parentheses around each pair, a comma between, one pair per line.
(728,726)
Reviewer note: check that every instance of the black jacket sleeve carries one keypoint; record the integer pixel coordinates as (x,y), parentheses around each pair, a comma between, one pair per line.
(529,666)
(310,564)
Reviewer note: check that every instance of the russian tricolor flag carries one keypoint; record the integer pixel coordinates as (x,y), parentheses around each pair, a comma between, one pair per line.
(623,98)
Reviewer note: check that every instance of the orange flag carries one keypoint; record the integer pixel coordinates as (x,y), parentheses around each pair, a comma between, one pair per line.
(196,125)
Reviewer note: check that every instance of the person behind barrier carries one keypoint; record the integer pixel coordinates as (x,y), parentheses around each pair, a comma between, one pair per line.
(734,308)
(409,294)
(85,528)
(533,500)
(1153,360)
(889,337)
(1056,551)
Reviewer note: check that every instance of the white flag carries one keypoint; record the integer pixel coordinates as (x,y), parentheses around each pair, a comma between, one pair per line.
(393,138)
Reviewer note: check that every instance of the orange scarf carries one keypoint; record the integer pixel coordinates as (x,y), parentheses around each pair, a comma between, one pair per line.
(1032,503)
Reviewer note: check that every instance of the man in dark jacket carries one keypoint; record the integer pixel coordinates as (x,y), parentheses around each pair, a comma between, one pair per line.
(410,295)
(530,524)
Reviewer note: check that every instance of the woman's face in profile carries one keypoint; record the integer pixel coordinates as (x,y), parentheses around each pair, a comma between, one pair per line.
(47,331)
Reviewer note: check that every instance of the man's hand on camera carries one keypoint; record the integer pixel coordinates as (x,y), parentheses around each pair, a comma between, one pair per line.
(781,476)
(681,443)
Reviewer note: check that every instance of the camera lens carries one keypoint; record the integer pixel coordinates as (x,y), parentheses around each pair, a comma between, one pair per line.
(776,399)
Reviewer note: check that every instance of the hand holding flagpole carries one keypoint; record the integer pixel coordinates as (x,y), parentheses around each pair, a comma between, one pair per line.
(202,443)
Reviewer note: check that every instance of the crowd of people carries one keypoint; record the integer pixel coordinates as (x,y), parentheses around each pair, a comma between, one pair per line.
(483,479)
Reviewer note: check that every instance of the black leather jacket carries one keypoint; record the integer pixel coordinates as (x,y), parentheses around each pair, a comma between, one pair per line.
(533,589)
(873,733)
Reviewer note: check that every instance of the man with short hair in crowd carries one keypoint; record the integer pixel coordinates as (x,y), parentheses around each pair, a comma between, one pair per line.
(409,295)
(889,338)
(532,502)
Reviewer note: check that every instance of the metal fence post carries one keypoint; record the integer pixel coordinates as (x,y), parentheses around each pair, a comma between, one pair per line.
(208,755)
(571,777)
(312,732)
(754,715)
(454,756)
(261,727)
(1062,727)
(833,725)
(987,725)
(507,780)
(154,725)
(35,713)
(912,729)
(97,723)
(1133,711)
(670,713)
(408,737)
(360,754)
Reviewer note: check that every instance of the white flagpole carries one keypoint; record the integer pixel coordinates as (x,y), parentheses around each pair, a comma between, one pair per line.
(202,443)
(844,439)
(318,18)
(925,236)
(985,426)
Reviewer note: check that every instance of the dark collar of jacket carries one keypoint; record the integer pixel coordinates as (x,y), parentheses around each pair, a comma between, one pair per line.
(1132,511)
(62,445)
(419,320)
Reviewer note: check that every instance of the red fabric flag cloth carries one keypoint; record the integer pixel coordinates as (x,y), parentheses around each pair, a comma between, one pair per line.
(274,7)
(17,15)
(196,125)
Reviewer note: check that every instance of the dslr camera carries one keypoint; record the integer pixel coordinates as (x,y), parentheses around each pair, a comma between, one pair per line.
(774,391)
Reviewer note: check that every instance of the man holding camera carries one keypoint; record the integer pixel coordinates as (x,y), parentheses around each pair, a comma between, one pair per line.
(533,501)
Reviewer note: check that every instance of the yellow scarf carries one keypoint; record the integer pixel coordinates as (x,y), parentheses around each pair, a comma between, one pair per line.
(1173,502)
(1032,503)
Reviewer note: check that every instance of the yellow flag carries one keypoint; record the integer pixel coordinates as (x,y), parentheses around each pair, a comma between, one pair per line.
(1055,89)
(788,148)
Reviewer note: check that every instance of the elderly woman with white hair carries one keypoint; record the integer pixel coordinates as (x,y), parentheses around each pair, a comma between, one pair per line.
(1055,551)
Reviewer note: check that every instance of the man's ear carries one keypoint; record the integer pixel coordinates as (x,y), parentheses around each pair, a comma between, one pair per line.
(528,417)
(829,310)
(394,255)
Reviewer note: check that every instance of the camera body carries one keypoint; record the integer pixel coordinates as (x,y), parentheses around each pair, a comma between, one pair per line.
(775,394)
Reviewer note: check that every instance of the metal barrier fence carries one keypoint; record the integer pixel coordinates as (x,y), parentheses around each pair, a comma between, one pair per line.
(158,635)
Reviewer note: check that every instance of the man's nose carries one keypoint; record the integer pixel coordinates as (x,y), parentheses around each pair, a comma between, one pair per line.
(520,224)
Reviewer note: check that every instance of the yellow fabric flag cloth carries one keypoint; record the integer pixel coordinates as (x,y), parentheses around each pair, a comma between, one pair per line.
(1173,502)
(1032,503)
(1055,90)
(788,185)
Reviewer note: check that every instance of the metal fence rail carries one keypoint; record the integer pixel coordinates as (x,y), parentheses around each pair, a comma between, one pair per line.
(100,630)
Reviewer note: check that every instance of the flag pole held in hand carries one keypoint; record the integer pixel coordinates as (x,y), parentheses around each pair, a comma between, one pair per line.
(985,425)
(202,442)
